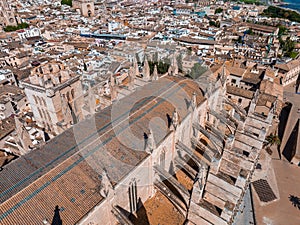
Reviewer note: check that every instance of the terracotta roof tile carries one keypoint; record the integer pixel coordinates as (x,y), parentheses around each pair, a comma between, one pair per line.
(73,161)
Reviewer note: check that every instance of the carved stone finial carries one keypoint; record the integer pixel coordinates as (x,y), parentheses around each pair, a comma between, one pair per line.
(112,79)
(106,186)
(275,105)
(150,145)
(155,73)
(136,68)
(255,98)
(229,141)
(223,74)
(175,119)
(113,88)
(174,66)
(194,101)
(92,100)
(146,70)
(23,137)
(66,110)
(131,77)
(201,178)
(209,89)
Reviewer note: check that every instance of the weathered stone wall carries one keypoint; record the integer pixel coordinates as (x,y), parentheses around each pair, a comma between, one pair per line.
(144,174)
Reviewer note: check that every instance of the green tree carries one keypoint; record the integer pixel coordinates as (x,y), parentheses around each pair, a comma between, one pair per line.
(272,139)
(162,66)
(155,57)
(287,46)
(240,39)
(66,2)
(196,71)
(151,66)
(213,23)
(189,50)
(275,12)
(138,60)
(282,30)
(14,28)
(218,10)
(179,62)
(250,31)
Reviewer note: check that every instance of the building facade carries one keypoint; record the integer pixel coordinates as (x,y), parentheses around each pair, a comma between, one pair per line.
(86,7)
(55,95)
(7,16)
(125,154)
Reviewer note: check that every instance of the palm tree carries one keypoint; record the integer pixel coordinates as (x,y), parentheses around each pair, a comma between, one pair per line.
(273,139)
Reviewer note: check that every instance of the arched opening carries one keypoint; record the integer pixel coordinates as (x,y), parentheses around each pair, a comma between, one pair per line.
(50,68)
(35,99)
(49,118)
(133,196)
(40,113)
(72,93)
(68,97)
(44,102)
(162,158)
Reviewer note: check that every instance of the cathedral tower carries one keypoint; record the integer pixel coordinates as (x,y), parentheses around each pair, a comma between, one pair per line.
(86,7)
(55,95)
(7,16)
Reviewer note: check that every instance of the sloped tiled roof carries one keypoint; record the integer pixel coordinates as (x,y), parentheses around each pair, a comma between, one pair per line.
(65,172)
(239,92)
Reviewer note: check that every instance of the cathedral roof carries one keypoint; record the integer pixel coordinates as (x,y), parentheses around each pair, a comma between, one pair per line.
(67,170)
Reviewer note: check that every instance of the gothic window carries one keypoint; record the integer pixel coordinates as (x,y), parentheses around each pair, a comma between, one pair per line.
(44,102)
(50,68)
(44,114)
(68,97)
(38,100)
(40,112)
(49,118)
(48,126)
(132,196)
(35,99)
(162,158)
(72,93)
